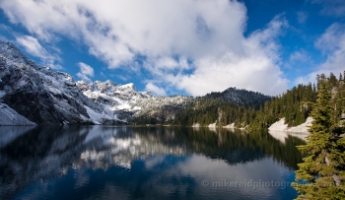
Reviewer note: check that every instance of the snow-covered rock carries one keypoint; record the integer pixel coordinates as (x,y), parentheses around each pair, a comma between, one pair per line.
(281,131)
(197,125)
(126,102)
(231,126)
(281,126)
(214,125)
(302,128)
(116,97)
(38,93)
(45,96)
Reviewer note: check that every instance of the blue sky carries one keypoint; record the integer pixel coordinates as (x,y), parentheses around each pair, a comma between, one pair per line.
(182,46)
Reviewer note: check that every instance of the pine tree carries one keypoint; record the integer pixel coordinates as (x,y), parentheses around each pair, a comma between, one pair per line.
(320,166)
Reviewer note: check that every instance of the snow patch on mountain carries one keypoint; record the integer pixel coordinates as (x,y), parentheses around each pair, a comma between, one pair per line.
(40,94)
(117,97)
(125,102)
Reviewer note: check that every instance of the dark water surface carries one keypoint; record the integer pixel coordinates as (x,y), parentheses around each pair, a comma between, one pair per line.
(104,162)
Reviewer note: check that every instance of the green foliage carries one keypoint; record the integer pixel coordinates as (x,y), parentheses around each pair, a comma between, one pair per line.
(323,166)
(206,111)
(295,106)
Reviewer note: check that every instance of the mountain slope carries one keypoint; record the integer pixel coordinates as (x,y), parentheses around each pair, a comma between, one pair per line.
(44,96)
(38,93)
(127,103)
(240,97)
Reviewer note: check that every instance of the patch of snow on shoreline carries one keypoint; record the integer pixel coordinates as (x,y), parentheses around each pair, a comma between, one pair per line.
(281,131)
(196,125)
(281,126)
(232,126)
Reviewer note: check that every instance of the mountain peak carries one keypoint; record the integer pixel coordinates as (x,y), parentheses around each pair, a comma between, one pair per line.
(13,55)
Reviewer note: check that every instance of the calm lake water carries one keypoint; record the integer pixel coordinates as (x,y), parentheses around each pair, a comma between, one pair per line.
(104,162)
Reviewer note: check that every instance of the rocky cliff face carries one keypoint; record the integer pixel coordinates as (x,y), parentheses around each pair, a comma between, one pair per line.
(38,93)
(127,103)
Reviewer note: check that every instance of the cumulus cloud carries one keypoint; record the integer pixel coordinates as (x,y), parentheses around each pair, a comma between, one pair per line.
(196,46)
(86,71)
(155,89)
(33,47)
(332,43)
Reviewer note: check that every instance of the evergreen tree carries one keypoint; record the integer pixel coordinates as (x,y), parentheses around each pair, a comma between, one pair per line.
(320,168)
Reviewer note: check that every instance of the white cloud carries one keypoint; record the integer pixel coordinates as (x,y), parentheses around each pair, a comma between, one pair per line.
(33,47)
(331,42)
(196,46)
(302,17)
(299,56)
(155,89)
(86,71)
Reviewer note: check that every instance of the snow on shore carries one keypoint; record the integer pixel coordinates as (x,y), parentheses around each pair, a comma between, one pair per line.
(232,126)
(214,125)
(196,125)
(281,126)
(281,131)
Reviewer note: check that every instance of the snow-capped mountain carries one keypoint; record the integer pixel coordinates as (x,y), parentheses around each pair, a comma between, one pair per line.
(126,102)
(40,94)
(117,97)
(31,94)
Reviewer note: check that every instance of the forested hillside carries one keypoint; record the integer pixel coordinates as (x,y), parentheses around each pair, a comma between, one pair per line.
(256,111)
(221,107)
(295,106)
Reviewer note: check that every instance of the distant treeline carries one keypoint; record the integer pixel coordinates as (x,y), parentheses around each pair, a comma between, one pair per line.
(257,112)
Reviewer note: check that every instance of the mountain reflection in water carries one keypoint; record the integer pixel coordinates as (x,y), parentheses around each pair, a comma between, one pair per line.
(108,162)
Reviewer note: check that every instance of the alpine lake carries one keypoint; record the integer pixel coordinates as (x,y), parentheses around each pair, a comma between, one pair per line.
(109,162)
